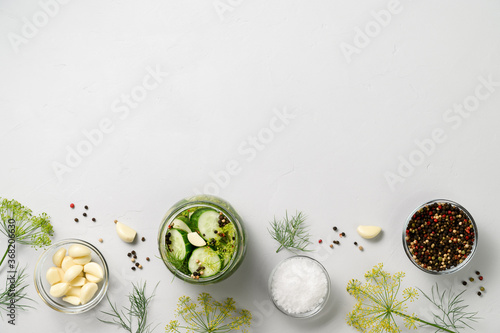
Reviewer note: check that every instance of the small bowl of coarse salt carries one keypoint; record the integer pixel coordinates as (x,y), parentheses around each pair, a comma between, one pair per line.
(299,286)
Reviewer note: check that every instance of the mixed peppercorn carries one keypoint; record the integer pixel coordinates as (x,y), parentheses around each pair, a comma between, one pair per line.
(440,236)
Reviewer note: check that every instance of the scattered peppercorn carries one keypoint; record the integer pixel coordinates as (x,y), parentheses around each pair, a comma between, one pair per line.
(93,219)
(356,243)
(135,256)
(143,239)
(334,228)
(471,279)
(343,234)
(133,252)
(331,246)
(133,268)
(480,278)
(361,248)
(86,207)
(479,293)
(136,264)
(320,241)
(76,220)
(85,214)
(215,231)
(72,205)
(464,283)
(129,254)
(477,273)
(116,221)
(133,259)
(140,266)
(482,288)
(336,242)
(100,240)
(147,258)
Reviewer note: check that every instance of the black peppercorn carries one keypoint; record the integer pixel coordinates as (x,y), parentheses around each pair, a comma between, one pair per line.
(85,214)
(76,220)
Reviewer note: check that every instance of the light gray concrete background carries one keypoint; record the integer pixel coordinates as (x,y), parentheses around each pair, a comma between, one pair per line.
(354,112)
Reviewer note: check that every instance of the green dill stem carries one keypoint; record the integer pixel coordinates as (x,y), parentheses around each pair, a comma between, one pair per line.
(5,254)
(423,321)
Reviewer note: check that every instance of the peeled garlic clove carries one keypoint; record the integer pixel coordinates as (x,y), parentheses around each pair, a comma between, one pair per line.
(78,250)
(88,291)
(59,289)
(53,275)
(82,260)
(74,291)
(196,239)
(93,278)
(72,273)
(368,231)
(78,281)
(67,263)
(94,268)
(72,300)
(126,233)
(58,257)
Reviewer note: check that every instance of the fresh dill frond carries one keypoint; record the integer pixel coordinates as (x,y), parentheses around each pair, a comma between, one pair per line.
(138,310)
(15,291)
(209,316)
(450,308)
(378,305)
(17,222)
(291,233)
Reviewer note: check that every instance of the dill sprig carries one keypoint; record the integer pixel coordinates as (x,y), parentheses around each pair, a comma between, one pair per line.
(27,229)
(209,316)
(451,309)
(138,309)
(291,233)
(378,305)
(15,292)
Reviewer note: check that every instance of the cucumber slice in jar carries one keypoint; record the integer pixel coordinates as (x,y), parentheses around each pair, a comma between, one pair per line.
(181,223)
(179,246)
(206,220)
(207,258)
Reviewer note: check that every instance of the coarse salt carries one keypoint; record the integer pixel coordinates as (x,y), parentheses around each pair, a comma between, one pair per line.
(299,285)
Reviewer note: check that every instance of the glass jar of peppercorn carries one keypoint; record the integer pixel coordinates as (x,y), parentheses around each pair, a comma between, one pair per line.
(440,237)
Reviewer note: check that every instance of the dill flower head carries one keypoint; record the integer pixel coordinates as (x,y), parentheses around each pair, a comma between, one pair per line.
(209,316)
(28,229)
(377,301)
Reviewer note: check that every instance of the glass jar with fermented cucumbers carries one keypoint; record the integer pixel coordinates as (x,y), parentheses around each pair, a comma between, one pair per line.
(201,239)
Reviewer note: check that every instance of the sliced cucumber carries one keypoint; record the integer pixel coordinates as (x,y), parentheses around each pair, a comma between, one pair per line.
(206,257)
(206,220)
(179,246)
(181,223)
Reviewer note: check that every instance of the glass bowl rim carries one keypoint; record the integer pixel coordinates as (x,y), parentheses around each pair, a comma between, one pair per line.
(308,314)
(452,269)
(38,276)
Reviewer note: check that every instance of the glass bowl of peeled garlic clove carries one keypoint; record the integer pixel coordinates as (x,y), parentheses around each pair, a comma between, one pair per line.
(71,276)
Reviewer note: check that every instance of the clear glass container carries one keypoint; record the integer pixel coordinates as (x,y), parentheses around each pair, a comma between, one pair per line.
(320,305)
(454,268)
(219,205)
(42,286)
